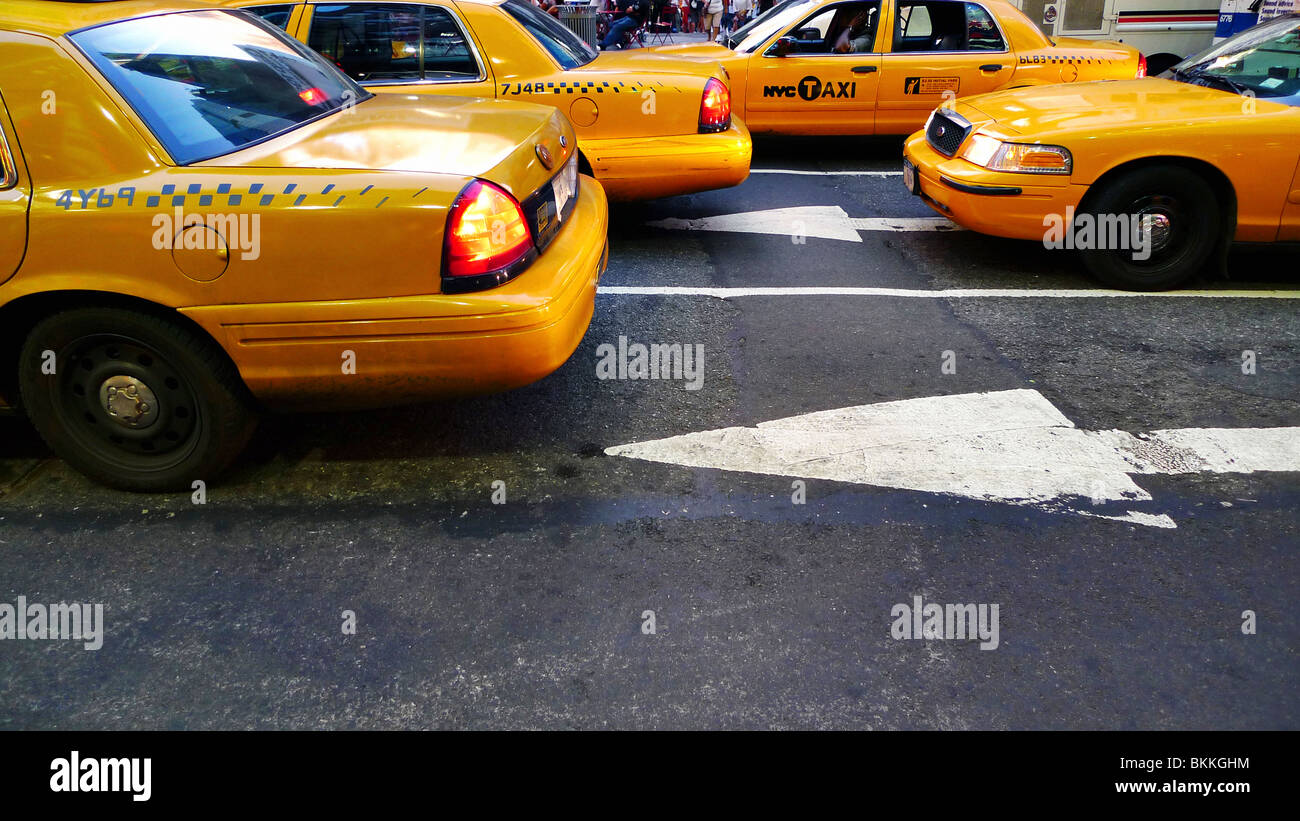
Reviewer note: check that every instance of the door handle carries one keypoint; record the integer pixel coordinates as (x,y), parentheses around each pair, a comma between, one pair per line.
(991,67)
(863,69)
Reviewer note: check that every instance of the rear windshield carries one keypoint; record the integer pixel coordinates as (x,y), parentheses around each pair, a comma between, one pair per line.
(211,82)
(568,49)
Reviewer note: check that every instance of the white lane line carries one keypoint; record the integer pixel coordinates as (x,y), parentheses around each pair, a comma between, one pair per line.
(825,173)
(1010,446)
(948,293)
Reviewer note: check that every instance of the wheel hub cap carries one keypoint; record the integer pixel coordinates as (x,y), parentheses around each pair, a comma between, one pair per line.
(128,401)
(1157,226)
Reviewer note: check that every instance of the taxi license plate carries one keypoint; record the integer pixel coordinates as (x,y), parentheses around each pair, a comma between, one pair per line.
(563,188)
(909,177)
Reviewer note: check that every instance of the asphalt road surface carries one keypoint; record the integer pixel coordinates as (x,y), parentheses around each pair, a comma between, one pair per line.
(766,613)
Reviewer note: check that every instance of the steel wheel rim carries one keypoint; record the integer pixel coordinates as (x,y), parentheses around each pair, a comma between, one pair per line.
(95,403)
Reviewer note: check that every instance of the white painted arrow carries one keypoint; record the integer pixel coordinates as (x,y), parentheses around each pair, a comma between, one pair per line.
(1005,446)
(820,221)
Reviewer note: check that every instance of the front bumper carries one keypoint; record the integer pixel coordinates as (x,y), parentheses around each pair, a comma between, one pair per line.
(416,348)
(643,168)
(991,202)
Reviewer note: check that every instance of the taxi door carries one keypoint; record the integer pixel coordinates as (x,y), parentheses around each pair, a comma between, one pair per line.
(939,49)
(15,195)
(799,83)
(399,47)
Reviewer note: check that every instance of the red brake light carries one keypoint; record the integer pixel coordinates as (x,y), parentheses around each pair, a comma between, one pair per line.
(1142,65)
(715,107)
(486,234)
(312,96)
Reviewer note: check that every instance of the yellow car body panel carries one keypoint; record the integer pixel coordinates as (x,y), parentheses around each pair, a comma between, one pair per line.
(1108,126)
(889,90)
(350,210)
(636,114)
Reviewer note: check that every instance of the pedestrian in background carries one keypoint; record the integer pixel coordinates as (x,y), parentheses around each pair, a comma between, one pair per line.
(695,18)
(739,13)
(713,17)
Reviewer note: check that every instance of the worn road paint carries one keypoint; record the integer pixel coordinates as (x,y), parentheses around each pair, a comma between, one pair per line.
(801,173)
(816,221)
(947,293)
(1005,446)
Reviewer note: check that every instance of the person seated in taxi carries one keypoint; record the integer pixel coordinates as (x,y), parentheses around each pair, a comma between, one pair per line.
(859,35)
(847,25)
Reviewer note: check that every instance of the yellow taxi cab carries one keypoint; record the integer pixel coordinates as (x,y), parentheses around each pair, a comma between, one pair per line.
(648,126)
(881,66)
(199,217)
(1150,180)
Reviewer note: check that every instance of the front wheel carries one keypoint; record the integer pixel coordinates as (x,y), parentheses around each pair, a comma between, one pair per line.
(134,401)
(1170,217)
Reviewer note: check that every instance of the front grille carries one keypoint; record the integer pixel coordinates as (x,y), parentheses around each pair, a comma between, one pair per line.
(947,132)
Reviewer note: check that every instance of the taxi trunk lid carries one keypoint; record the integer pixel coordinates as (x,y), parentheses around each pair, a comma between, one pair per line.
(507,143)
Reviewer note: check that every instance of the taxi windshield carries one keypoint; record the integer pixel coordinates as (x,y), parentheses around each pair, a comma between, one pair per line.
(567,48)
(1263,62)
(753,34)
(209,82)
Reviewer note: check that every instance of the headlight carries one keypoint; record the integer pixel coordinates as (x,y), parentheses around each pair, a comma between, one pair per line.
(1020,158)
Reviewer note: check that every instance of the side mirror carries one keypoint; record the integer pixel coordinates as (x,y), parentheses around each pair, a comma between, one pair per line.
(784,46)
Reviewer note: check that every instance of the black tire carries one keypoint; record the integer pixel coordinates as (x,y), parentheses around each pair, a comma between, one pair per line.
(199,421)
(1160,63)
(1179,248)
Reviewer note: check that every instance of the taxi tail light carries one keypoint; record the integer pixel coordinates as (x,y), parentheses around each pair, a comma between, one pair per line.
(715,107)
(488,240)
(1142,65)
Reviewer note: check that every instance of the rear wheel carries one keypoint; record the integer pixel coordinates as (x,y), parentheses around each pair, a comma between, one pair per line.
(1175,217)
(134,401)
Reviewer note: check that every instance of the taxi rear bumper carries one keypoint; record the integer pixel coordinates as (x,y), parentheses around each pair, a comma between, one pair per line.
(647,167)
(352,354)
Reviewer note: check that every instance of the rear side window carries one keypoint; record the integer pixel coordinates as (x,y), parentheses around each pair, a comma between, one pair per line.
(277,15)
(981,30)
(210,82)
(945,26)
(565,47)
(393,42)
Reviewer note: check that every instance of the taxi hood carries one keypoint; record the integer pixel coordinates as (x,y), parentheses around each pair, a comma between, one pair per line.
(461,136)
(1102,105)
